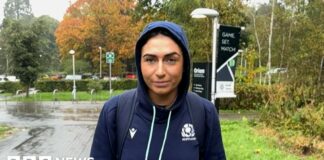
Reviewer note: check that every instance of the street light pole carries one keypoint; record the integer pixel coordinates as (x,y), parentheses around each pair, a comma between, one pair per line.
(100,75)
(214,57)
(203,13)
(72,52)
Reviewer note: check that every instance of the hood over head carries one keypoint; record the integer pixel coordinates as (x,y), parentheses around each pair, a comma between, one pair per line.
(178,35)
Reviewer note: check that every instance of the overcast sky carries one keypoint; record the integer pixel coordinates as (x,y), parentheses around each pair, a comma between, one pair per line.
(57,8)
(53,8)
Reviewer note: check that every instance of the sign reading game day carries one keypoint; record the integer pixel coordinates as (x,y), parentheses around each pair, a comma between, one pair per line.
(201,79)
(228,44)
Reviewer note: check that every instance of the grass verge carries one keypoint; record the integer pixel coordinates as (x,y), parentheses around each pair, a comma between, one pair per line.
(242,142)
(3,130)
(67,96)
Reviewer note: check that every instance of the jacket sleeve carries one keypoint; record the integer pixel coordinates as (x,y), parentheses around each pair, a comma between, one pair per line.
(104,140)
(214,149)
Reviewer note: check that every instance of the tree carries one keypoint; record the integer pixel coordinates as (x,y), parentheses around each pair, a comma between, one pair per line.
(81,66)
(4,59)
(23,43)
(18,9)
(256,36)
(199,32)
(270,40)
(49,54)
(297,38)
(5,55)
(147,10)
(89,24)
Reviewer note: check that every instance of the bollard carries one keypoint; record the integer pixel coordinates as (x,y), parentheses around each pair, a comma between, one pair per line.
(17,94)
(1,91)
(35,95)
(74,93)
(54,96)
(91,92)
(18,91)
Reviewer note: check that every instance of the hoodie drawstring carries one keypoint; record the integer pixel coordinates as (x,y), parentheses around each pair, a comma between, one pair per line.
(165,135)
(151,133)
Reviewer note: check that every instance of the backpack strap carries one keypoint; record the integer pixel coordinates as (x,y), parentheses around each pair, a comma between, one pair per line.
(197,114)
(124,116)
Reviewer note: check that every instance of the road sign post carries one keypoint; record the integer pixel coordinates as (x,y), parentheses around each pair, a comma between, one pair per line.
(110,58)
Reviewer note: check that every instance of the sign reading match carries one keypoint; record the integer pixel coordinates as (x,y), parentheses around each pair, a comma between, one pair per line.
(228,46)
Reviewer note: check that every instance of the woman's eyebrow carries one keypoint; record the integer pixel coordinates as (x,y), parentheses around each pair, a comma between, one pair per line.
(148,55)
(166,55)
(172,53)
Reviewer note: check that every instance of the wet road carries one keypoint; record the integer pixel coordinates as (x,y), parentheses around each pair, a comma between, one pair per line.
(58,130)
(46,129)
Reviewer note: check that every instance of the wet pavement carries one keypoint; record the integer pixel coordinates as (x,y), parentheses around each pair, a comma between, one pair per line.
(60,129)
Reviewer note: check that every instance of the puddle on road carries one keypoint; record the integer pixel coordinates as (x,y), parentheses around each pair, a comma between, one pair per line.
(81,110)
(41,111)
(81,114)
(30,109)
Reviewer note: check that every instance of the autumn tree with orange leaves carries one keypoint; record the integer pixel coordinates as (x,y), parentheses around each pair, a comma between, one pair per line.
(89,24)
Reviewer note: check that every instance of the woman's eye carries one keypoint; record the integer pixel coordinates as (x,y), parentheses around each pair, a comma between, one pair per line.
(171,60)
(149,60)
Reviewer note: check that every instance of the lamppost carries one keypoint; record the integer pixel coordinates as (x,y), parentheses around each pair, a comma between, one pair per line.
(72,52)
(100,49)
(203,13)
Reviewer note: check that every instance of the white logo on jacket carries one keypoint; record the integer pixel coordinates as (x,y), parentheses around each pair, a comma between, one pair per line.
(188,132)
(132,132)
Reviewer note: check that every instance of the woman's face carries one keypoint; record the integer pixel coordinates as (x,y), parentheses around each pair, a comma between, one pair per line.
(161,65)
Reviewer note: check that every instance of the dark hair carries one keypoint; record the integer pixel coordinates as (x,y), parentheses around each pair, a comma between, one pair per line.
(160,31)
(184,83)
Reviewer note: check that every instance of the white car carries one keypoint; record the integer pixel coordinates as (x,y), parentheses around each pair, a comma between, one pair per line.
(71,77)
(277,70)
(4,78)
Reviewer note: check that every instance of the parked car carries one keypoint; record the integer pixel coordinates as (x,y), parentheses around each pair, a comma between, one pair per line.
(277,70)
(4,78)
(94,77)
(113,78)
(130,76)
(71,77)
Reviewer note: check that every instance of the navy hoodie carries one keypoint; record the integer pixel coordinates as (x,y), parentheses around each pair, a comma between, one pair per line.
(172,131)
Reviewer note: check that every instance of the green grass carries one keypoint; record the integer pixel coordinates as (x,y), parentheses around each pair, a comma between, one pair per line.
(67,96)
(3,130)
(5,94)
(241,142)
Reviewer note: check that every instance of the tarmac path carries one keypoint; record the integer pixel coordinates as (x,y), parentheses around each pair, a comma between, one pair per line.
(59,130)
(45,129)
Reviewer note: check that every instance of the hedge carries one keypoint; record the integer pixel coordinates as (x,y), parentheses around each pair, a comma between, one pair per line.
(10,87)
(82,85)
(249,96)
(67,85)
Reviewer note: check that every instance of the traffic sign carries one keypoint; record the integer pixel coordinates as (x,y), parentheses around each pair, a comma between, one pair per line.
(110,57)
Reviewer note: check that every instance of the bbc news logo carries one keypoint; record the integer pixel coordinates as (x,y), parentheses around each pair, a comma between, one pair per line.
(46,158)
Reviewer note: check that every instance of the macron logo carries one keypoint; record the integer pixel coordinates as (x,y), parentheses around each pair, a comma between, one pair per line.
(132,132)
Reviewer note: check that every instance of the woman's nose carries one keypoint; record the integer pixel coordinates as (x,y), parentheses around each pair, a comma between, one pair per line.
(160,72)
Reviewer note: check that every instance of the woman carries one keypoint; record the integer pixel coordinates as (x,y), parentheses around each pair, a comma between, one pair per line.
(161,126)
